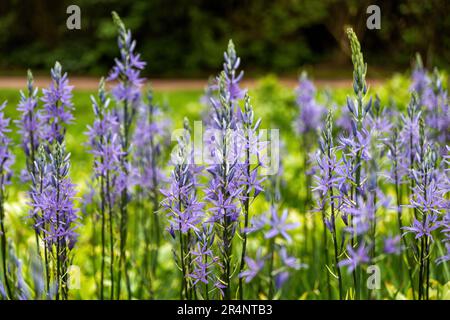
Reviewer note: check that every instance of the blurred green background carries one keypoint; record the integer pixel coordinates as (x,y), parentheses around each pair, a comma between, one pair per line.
(186,38)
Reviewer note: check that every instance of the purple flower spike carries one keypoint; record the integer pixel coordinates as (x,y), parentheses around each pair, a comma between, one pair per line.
(127,71)
(58,106)
(392,245)
(6,156)
(30,126)
(311,113)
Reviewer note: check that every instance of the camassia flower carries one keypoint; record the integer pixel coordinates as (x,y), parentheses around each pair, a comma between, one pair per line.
(356,257)
(392,245)
(425,228)
(224,191)
(6,156)
(446,232)
(30,125)
(254,267)
(204,262)
(55,213)
(59,215)
(127,71)
(409,134)
(279,225)
(184,210)
(6,161)
(311,113)
(58,106)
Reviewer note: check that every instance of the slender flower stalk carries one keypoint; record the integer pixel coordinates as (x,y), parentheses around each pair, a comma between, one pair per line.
(30,129)
(360,138)
(53,194)
(29,125)
(250,180)
(445,224)
(432,97)
(105,146)
(225,188)
(326,182)
(184,211)
(204,263)
(6,160)
(127,95)
(397,173)
(307,123)
(59,218)
(58,106)
(149,140)
(409,138)
(428,199)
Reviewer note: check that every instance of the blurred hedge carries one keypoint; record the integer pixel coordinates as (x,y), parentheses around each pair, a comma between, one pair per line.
(187,37)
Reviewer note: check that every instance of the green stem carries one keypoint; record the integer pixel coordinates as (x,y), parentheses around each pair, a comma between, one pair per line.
(271,262)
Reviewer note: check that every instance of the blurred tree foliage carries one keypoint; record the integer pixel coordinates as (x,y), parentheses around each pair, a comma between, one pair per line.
(187,37)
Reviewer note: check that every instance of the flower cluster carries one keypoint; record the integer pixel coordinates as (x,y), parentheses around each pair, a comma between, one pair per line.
(6,160)
(150,137)
(127,71)
(55,212)
(30,125)
(184,210)
(57,105)
(6,156)
(311,113)
(225,187)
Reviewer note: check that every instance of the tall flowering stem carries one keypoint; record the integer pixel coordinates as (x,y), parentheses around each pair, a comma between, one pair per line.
(127,94)
(30,129)
(326,183)
(397,173)
(105,146)
(39,186)
(184,211)
(428,199)
(225,188)
(150,137)
(433,98)
(307,123)
(358,110)
(53,193)
(445,223)
(409,139)
(6,160)
(380,127)
(250,180)
(204,262)
(57,105)
(59,218)
(30,124)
